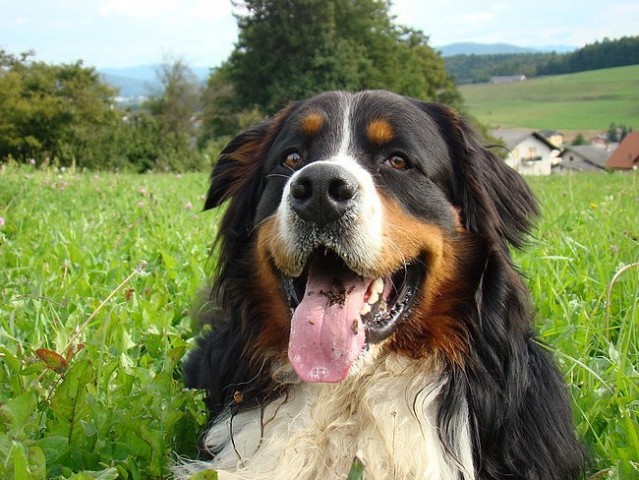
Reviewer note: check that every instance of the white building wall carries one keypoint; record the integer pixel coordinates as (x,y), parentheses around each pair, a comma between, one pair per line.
(531,148)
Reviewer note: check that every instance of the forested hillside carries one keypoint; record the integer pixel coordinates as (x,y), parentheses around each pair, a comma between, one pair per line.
(605,54)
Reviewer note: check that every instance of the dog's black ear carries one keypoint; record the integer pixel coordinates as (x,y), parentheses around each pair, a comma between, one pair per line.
(494,200)
(235,164)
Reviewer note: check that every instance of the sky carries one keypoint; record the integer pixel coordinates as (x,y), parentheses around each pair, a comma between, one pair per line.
(123,33)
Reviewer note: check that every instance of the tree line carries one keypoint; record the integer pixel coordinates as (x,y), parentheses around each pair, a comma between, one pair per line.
(605,54)
(65,115)
(286,50)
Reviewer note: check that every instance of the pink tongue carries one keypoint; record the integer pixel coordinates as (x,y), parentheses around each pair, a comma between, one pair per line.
(327,334)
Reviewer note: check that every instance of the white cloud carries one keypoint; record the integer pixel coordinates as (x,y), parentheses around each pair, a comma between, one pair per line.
(139,8)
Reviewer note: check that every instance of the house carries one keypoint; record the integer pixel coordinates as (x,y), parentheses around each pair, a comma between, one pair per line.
(626,156)
(553,136)
(530,152)
(583,158)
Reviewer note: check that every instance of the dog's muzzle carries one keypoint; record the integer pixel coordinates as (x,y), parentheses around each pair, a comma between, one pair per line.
(328,248)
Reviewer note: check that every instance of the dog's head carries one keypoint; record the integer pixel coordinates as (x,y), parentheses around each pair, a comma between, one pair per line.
(361,220)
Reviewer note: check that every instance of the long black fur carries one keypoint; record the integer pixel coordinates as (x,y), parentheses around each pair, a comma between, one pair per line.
(521,418)
(220,365)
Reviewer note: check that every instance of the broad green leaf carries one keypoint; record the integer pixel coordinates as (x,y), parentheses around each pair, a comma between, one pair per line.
(20,462)
(34,368)
(53,447)
(17,411)
(25,462)
(69,402)
(12,361)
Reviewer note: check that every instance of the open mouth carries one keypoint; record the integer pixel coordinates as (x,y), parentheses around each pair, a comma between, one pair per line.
(338,313)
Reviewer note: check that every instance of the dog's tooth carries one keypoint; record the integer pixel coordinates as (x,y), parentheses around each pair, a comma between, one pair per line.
(373,298)
(366,309)
(376,289)
(377,286)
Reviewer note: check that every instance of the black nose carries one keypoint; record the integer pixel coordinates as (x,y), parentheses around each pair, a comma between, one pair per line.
(323,193)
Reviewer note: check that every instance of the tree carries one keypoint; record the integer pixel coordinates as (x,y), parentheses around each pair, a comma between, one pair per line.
(624,132)
(579,140)
(8,60)
(175,107)
(220,116)
(613,134)
(54,112)
(177,101)
(290,49)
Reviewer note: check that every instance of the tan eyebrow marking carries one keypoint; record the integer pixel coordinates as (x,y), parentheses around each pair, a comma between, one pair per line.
(380,131)
(312,123)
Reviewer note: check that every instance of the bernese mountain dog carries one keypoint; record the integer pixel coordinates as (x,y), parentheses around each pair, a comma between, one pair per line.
(365,304)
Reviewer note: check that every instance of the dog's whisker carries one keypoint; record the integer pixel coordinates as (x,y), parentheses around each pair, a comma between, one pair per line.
(277,175)
(255,227)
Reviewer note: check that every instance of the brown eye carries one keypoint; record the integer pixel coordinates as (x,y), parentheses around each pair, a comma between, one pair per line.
(397,162)
(292,160)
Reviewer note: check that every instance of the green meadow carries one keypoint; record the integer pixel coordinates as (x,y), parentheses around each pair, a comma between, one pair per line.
(98,275)
(580,101)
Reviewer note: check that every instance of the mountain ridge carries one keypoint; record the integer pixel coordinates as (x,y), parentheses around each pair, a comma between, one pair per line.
(472,48)
(141,80)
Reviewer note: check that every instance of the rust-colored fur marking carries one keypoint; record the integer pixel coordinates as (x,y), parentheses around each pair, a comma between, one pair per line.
(271,246)
(267,285)
(380,132)
(312,123)
(432,326)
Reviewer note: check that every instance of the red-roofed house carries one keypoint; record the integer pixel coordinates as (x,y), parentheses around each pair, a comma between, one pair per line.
(626,156)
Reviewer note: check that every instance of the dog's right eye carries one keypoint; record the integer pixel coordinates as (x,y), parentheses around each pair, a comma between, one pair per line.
(397,162)
(292,159)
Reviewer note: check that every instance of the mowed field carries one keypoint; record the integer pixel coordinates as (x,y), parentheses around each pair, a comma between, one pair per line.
(578,102)
(99,273)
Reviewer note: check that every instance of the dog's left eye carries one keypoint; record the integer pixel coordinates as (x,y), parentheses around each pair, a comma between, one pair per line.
(292,160)
(397,162)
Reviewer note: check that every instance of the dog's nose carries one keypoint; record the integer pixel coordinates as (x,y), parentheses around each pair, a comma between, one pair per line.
(322,193)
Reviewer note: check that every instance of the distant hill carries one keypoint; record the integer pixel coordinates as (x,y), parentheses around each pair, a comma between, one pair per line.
(479,68)
(140,80)
(469,48)
(128,87)
(578,101)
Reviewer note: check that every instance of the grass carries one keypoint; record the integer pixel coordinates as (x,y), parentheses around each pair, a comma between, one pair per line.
(98,273)
(580,101)
(589,233)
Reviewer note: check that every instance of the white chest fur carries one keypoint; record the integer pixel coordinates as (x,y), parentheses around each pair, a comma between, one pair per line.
(386,415)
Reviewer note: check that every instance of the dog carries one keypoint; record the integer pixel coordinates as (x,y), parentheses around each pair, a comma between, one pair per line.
(365,304)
